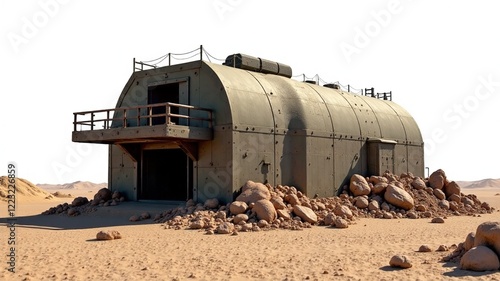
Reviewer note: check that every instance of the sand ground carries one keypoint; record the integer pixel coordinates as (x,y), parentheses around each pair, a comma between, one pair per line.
(63,248)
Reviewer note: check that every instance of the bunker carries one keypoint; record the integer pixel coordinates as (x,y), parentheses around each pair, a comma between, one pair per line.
(200,130)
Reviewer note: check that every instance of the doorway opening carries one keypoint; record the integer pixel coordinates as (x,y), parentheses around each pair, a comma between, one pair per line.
(161,94)
(166,174)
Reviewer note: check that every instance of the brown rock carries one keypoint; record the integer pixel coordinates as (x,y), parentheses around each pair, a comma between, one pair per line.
(373,205)
(452,188)
(400,261)
(264,210)
(103,194)
(398,197)
(437,220)
(238,207)
(305,213)
(197,224)
(134,218)
(377,179)
(212,203)
(263,224)
(278,203)
(420,208)
(340,223)
(437,179)
(225,228)
(444,204)
(488,234)
(283,213)
(442,248)
(240,217)
(455,198)
(116,195)
(480,258)
(412,215)
(361,202)
(145,216)
(292,199)
(108,235)
(359,186)
(329,219)
(424,248)
(418,183)
(79,201)
(380,187)
(439,194)
(343,211)
(252,192)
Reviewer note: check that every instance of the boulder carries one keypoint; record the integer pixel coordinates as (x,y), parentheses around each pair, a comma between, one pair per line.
(116,195)
(452,188)
(238,207)
(263,224)
(103,194)
(437,179)
(488,234)
(359,186)
(439,194)
(252,192)
(79,201)
(480,258)
(145,216)
(212,203)
(305,213)
(400,261)
(418,183)
(398,197)
(264,210)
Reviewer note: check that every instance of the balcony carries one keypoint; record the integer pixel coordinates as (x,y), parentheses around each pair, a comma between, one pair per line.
(152,122)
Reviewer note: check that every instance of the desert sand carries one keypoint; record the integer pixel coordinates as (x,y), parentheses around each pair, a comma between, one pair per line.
(58,247)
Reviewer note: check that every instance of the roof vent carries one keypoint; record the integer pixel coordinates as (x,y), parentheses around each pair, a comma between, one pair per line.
(247,62)
(333,86)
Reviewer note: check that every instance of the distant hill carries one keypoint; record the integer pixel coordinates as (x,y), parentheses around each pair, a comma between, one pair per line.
(479,183)
(24,190)
(74,185)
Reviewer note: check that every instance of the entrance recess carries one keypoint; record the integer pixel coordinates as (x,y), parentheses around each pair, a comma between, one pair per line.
(166,175)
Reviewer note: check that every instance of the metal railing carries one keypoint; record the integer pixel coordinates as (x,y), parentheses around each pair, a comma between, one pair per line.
(142,115)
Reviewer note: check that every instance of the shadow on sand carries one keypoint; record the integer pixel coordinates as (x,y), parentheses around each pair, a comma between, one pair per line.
(457,272)
(103,217)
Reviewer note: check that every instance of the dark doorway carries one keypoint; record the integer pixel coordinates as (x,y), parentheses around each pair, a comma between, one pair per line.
(161,94)
(166,175)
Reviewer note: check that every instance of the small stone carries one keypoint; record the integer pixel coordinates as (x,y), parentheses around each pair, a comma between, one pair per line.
(442,248)
(437,220)
(340,223)
(400,261)
(239,218)
(134,218)
(238,207)
(145,216)
(424,248)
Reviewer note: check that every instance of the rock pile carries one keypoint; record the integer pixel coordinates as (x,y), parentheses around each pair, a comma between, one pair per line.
(263,207)
(103,198)
(480,251)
